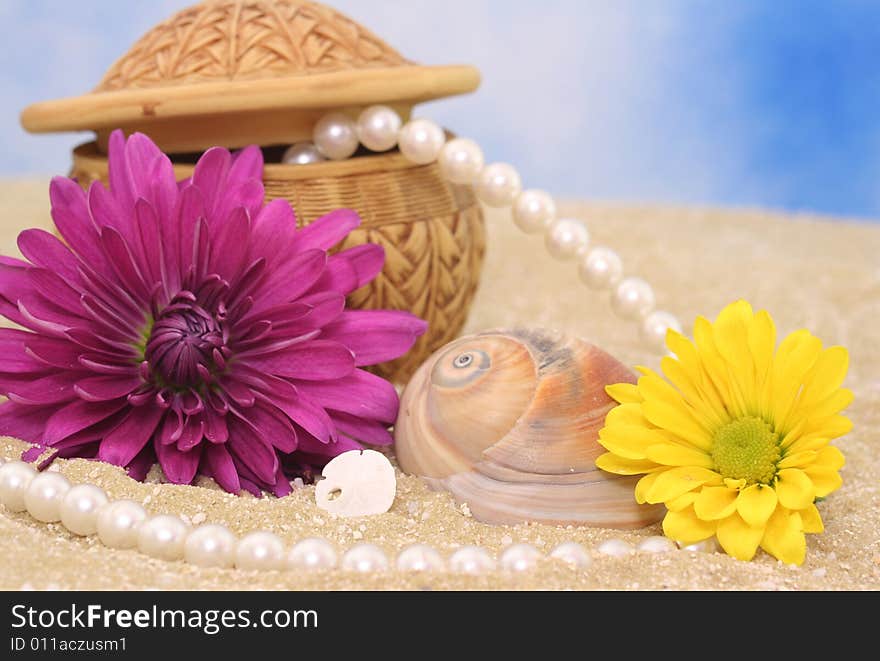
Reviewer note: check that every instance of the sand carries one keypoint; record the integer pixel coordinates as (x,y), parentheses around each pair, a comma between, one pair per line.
(809,272)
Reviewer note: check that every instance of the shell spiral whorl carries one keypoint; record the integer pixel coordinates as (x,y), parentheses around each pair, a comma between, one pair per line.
(508,422)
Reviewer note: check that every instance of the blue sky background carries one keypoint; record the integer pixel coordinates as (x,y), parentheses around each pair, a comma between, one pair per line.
(772,104)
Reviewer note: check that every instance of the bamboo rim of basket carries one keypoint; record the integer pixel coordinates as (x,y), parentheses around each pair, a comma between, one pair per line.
(89,158)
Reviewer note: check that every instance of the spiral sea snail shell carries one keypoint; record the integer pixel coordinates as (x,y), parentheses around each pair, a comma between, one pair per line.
(508,422)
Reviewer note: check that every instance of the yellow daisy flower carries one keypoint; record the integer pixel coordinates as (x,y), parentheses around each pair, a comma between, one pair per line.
(735,442)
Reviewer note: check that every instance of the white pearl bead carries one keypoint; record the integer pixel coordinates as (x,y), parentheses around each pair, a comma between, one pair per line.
(210,545)
(566,237)
(312,553)
(534,211)
(260,550)
(421,141)
(378,128)
(419,557)
(335,136)
(471,560)
(364,558)
(654,327)
(118,522)
(15,476)
(79,508)
(704,546)
(461,160)
(573,554)
(498,185)
(656,544)
(519,557)
(616,548)
(43,496)
(162,537)
(601,268)
(302,153)
(633,299)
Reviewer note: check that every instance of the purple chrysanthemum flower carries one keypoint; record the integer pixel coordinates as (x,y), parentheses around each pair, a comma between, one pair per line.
(192,324)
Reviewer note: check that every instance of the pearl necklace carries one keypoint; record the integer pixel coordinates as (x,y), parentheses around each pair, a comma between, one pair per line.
(379,128)
(85,509)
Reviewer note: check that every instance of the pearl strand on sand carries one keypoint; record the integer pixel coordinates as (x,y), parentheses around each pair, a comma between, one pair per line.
(85,509)
(379,128)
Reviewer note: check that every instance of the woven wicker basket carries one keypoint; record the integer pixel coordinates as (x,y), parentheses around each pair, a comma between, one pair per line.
(432,233)
(238,72)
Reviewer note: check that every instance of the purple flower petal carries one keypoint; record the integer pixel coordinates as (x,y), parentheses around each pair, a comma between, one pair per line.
(139,466)
(292,278)
(219,465)
(179,467)
(327,231)
(70,212)
(300,408)
(45,250)
(246,444)
(75,417)
(376,335)
(274,426)
(315,360)
(367,259)
(216,430)
(209,176)
(360,394)
(52,389)
(339,276)
(230,244)
(363,431)
(24,422)
(53,352)
(192,434)
(122,444)
(102,388)
(247,164)
(274,230)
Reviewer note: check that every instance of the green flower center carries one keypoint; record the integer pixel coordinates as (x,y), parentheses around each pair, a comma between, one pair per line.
(746,449)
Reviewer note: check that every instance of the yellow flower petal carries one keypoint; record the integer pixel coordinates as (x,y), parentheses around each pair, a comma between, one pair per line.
(672,454)
(794,489)
(655,389)
(738,538)
(625,393)
(674,482)
(798,459)
(830,457)
(644,484)
(824,480)
(613,464)
(762,341)
(784,537)
(685,527)
(678,421)
(714,503)
(811,520)
(629,441)
(627,414)
(826,376)
(805,444)
(755,504)
(684,500)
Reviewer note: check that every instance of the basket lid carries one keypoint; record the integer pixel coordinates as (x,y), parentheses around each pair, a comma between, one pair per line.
(235,72)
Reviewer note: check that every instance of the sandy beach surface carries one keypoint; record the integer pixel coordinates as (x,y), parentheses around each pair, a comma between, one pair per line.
(808,272)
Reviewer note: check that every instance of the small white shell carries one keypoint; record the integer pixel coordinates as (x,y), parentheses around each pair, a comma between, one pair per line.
(357,483)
